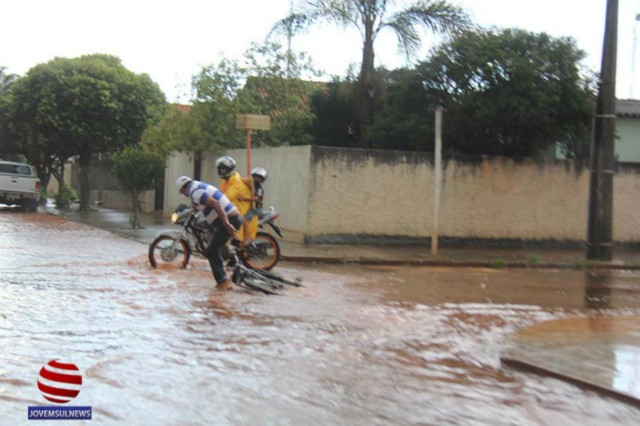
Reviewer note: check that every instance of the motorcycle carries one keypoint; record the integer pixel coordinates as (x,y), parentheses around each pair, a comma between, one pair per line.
(175,249)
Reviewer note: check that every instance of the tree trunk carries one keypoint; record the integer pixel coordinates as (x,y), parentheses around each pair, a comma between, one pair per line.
(366,86)
(59,175)
(197,165)
(57,170)
(85,165)
(135,220)
(44,182)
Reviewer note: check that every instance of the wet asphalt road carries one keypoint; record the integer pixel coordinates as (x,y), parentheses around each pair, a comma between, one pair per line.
(357,345)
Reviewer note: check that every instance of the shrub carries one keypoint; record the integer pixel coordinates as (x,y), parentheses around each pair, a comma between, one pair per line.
(498,263)
(65,196)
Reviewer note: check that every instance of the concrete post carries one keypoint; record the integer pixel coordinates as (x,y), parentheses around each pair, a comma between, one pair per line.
(600,225)
(437,183)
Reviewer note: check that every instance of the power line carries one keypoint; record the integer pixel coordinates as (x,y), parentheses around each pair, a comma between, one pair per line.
(634,53)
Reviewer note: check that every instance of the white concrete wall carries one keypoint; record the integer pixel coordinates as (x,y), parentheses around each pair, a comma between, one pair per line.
(369,192)
(383,193)
(500,198)
(626,206)
(287,185)
(208,172)
(178,164)
(332,192)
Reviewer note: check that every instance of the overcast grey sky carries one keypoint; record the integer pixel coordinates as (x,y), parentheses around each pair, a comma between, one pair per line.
(171,40)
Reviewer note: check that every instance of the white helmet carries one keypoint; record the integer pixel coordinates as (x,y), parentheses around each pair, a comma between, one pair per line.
(228,165)
(259,171)
(182,181)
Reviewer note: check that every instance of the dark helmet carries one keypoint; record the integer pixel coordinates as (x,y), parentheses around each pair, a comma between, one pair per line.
(259,172)
(225,165)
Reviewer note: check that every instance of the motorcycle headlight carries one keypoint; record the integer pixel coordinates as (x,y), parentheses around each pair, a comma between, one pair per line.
(174,218)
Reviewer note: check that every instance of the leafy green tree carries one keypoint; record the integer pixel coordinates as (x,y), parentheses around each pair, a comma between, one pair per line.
(335,110)
(137,170)
(5,85)
(275,85)
(266,81)
(403,110)
(6,80)
(405,118)
(209,123)
(181,128)
(216,88)
(81,106)
(511,92)
(20,140)
(370,17)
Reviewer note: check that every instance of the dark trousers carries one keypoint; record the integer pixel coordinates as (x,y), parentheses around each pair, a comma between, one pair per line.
(216,246)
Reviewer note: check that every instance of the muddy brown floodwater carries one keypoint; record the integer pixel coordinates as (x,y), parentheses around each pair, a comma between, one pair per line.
(356,345)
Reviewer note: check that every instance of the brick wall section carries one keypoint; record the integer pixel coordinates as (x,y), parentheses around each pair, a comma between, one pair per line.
(391,194)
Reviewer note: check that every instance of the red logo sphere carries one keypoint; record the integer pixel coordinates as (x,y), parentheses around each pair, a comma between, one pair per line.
(59,382)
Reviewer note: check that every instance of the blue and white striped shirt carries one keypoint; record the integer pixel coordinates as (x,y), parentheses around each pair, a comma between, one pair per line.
(200,191)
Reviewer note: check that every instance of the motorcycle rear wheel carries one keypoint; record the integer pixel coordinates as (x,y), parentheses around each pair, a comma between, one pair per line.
(262,254)
(162,256)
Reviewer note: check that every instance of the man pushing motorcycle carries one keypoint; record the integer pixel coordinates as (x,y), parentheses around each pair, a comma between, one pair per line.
(223,217)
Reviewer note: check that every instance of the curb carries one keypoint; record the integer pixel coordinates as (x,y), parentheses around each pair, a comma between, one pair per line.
(522,365)
(457,264)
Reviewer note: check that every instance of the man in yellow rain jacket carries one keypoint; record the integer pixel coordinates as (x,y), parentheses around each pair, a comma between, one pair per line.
(237,191)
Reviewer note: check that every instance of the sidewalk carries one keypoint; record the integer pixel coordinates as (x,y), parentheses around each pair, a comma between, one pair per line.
(118,222)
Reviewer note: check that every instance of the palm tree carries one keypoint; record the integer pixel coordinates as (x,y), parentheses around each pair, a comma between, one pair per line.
(6,80)
(370,17)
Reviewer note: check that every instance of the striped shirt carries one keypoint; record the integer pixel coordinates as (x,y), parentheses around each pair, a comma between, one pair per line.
(200,191)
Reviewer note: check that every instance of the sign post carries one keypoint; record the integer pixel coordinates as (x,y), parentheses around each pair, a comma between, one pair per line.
(251,122)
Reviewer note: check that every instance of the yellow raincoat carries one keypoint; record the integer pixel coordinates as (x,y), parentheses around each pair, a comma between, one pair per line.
(235,188)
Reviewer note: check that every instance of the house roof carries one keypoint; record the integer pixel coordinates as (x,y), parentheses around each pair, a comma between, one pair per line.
(629,108)
(182,108)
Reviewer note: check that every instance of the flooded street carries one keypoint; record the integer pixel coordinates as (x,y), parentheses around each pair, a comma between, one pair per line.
(356,345)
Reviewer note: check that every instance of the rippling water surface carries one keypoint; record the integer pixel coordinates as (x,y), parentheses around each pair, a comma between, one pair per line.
(355,346)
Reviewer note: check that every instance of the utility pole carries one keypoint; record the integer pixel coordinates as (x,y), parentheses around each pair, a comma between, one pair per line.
(437,180)
(634,55)
(289,37)
(602,163)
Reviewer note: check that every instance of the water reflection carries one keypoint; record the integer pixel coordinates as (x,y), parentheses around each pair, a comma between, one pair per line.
(627,375)
(600,351)
(597,289)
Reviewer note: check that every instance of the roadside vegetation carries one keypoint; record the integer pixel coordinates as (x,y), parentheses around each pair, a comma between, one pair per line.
(137,170)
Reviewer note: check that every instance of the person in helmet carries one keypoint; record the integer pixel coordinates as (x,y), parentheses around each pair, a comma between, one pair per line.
(234,187)
(226,166)
(223,217)
(259,176)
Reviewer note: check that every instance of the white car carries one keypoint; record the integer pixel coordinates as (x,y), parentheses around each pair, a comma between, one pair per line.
(19,185)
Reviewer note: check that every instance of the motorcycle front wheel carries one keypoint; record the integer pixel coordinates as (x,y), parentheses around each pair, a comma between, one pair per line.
(163,254)
(262,254)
